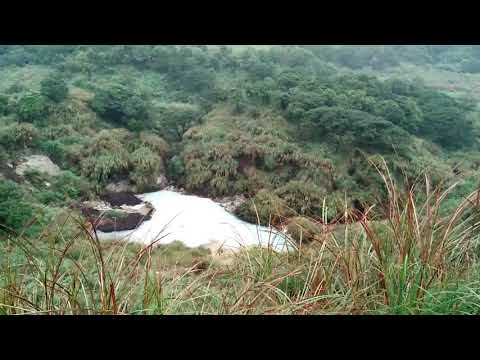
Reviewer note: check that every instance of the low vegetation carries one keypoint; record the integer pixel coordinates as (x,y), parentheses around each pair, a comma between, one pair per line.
(411,261)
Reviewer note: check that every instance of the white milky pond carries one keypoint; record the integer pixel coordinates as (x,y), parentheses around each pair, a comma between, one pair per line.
(197,221)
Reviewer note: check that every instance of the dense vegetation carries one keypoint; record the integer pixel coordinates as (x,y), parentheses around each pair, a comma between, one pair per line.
(417,262)
(464,58)
(282,120)
(294,128)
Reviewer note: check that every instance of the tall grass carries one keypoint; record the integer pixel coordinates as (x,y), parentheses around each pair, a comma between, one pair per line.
(410,260)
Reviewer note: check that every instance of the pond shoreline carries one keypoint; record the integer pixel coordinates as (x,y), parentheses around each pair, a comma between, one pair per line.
(195,221)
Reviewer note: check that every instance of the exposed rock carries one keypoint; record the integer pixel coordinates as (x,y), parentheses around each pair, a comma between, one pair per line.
(120,212)
(123,186)
(231,203)
(120,186)
(97,205)
(246,166)
(121,221)
(128,222)
(121,198)
(161,182)
(7,172)
(142,209)
(174,189)
(38,163)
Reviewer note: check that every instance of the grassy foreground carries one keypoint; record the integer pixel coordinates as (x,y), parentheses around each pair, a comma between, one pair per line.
(411,260)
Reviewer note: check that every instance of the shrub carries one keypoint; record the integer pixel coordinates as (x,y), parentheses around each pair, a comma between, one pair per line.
(118,154)
(304,198)
(15,211)
(54,149)
(265,207)
(460,192)
(146,166)
(107,156)
(71,186)
(293,285)
(32,108)
(49,197)
(103,167)
(302,230)
(3,105)
(176,168)
(15,88)
(54,87)
(58,189)
(154,143)
(19,136)
(36,177)
(175,119)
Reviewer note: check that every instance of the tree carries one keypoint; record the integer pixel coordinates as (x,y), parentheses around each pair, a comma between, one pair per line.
(260,70)
(119,103)
(238,99)
(413,114)
(3,105)
(471,66)
(390,111)
(446,120)
(176,168)
(193,79)
(141,54)
(260,91)
(175,119)
(358,100)
(162,57)
(355,128)
(399,87)
(288,79)
(54,87)
(82,62)
(32,107)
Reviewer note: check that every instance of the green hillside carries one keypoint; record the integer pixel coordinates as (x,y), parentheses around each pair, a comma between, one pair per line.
(294,129)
